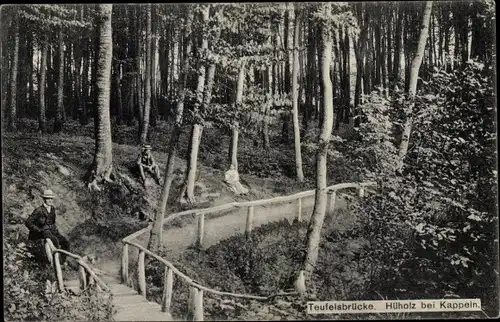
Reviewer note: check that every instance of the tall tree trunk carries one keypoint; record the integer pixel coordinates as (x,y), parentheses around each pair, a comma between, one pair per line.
(13,78)
(318,216)
(58,122)
(287,77)
(31,76)
(360,51)
(378,48)
(233,149)
(78,82)
(93,79)
(154,64)
(103,158)
(190,179)
(415,66)
(147,79)
(85,81)
(155,238)
(311,45)
(347,78)
(42,120)
(118,92)
(139,84)
(398,46)
(295,98)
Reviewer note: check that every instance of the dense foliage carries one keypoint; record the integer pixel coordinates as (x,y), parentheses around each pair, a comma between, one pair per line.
(433,226)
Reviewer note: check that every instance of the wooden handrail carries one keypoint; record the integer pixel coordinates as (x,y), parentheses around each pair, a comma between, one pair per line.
(260,202)
(55,261)
(198,289)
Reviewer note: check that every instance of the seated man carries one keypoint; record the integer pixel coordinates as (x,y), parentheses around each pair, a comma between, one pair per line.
(146,162)
(42,224)
(232,179)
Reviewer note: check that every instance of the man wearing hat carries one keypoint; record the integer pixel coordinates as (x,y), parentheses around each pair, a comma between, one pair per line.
(42,224)
(146,162)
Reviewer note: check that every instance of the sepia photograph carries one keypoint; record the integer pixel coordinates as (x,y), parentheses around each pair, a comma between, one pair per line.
(255,161)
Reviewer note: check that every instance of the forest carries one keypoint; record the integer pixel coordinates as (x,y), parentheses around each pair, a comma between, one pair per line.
(306,94)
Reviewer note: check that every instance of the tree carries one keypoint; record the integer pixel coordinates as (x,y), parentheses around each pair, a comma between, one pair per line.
(41,88)
(415,66)
(295,97)
(187,193)
(155,237)
(147,79)
(13,77)
(318,216)
(58,122)
(233,148)
(102,166)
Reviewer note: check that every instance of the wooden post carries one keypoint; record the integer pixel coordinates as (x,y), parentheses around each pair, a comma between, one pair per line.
(300,283)
(299,209)
(48,251)
(332,197)
(195,305)
(198,306)
(361,192)
(57,265)
(83,278)
(191,300)
(201,228)
(125,264)
(168,282)
(141,273)
(248,228)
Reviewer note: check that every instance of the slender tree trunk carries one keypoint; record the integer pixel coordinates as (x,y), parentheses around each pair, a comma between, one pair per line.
(42,120)
(398,46)
(31,76)
(415,66)
(155,238)
(147,79)
(295,99)
(58,122)
(118,92)
(103,159)
(196,132)
(287,76)
(318,216)
(233,150)
(78,82)
(311,44)
(85,82)
(139,84)
(13,78)
(154,65)
(347,78)
(93,79)
(378,47)
(360,49)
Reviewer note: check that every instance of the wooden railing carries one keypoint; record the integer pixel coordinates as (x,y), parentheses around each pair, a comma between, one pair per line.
(53,255)
(195,302)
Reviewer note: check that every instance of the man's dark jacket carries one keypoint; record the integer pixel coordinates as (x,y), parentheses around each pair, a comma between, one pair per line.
(41,223)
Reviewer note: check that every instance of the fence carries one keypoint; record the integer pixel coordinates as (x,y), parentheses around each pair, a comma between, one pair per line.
(53,255)
(195,302)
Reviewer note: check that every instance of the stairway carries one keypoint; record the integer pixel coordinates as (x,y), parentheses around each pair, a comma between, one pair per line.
(130,306)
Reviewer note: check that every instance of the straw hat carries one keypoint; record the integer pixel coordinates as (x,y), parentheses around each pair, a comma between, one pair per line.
(48,194)
(146,147)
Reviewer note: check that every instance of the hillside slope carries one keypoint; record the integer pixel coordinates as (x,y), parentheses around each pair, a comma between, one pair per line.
(95,222)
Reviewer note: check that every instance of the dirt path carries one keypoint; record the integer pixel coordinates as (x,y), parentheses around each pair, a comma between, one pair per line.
(179,239)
